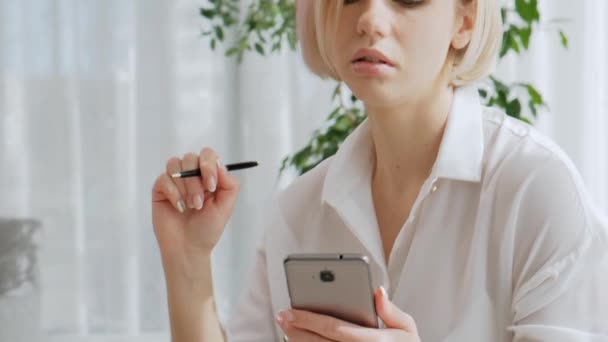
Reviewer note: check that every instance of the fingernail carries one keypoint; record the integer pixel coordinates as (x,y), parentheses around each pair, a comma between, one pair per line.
(211,183)
(198,202)
(190,202)
(286,316)
(181,206)
(384,294)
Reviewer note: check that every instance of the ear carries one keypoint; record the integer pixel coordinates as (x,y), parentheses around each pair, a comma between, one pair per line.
(464,24)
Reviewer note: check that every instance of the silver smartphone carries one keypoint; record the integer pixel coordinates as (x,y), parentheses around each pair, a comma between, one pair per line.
(337,285)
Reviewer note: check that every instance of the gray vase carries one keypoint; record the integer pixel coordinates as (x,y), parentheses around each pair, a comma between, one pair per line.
(19,280)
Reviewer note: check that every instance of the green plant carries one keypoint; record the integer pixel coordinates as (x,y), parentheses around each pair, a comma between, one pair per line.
(269,25)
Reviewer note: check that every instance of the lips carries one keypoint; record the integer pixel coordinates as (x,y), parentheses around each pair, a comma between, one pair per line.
(372,63)
(371,56)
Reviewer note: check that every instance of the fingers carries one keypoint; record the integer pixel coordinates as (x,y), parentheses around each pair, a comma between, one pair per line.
(207,162)
(294,334)
(174,165)
(391,315)
(165,188)
(297,335)
(195,192)
(326,326)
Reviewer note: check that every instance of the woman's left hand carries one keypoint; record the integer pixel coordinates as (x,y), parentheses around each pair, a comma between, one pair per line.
(307,326)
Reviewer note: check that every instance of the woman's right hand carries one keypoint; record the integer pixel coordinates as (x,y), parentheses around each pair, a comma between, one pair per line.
(189,214)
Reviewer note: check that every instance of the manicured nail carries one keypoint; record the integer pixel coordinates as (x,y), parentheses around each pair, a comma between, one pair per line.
(286,316)
(384,294)
(181,206)
(211,183)
(198,202)
(190,201)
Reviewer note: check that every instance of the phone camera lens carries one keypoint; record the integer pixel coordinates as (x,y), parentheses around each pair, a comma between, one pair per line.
(327,276)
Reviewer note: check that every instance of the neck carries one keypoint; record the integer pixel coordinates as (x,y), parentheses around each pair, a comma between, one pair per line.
(407,138)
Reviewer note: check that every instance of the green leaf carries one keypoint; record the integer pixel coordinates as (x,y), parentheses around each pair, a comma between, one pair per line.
(336,91)
(535,96)
(207,13)
(526,120)
(509,42)
(564,39)
(343,124)
(260,49)
(524,35)
(527,10)
(219,33)
(532,107)
(334,113)
(232,51)
(504,48)
(228,20)
(514,108)
(512,41)
(284,164)
(501,87)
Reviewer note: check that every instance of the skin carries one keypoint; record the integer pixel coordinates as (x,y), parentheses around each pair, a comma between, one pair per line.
(406,106)
(409,106)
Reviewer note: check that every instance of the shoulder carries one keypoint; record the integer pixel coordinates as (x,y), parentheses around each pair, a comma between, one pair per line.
(537,190)
(303,197)
(533,183)
(521,161)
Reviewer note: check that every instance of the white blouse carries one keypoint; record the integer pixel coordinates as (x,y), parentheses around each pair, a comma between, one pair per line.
(501,244)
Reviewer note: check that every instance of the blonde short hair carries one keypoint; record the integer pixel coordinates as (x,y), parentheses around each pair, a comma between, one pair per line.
(315,18)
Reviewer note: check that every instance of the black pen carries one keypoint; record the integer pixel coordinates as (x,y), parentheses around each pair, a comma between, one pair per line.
(229,167)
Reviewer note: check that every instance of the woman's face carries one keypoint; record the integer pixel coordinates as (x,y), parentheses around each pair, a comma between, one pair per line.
(392,51)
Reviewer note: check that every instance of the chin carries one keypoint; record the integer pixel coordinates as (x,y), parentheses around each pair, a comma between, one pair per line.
(373,92)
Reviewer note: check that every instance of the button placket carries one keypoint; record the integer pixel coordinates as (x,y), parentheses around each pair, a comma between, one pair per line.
(430,188)
(434,186)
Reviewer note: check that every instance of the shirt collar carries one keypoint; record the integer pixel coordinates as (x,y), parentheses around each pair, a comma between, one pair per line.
(460,155)
(461,150)
(347,185)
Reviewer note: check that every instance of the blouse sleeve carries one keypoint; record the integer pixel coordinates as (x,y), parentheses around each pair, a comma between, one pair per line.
(253,320)
(560,261)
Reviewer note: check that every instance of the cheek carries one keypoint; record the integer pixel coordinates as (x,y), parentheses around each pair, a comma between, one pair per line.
(425,53)
(341,48)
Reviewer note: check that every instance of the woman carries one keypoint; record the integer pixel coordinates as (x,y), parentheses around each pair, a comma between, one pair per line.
(477,227)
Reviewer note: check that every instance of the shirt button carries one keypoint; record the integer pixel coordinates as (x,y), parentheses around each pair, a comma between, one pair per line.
(434,185)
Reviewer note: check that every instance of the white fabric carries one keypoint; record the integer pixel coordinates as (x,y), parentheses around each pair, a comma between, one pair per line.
(501,244)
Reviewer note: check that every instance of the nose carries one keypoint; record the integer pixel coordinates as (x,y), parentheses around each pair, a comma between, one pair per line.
(374,19)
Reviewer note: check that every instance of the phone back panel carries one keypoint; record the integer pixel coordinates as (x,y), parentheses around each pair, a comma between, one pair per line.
(334,285)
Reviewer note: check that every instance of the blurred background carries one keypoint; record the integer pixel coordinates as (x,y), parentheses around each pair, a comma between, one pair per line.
(95,96)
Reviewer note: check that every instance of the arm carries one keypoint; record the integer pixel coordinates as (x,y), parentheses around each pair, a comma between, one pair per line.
(189,216)
(560,262)
(192,307)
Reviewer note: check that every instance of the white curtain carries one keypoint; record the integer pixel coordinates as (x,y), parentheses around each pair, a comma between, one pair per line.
(574,83)
(96,95)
